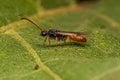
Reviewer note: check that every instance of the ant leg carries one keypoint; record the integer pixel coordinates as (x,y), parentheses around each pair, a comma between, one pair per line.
(65,40)
(49,40)
(70,39)
(56,40)
(44,40)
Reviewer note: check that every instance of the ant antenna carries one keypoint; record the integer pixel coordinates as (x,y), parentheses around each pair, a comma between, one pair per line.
(32,23)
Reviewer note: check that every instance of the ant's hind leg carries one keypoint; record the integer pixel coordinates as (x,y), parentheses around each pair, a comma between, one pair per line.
(70,39)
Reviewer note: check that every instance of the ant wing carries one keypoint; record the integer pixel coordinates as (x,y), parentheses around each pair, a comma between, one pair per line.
(65,33)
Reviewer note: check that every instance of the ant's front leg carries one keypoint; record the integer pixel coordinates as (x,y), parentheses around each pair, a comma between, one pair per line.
(45,40)
(56,40)
(49,40)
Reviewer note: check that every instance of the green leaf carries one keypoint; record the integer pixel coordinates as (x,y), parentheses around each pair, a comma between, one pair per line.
(47,4)
(98,59)
(12,10)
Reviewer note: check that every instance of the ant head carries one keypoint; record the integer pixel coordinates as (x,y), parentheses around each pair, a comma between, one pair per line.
(43,33)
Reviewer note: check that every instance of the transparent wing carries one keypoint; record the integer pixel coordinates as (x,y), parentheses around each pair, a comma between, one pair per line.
(71,33)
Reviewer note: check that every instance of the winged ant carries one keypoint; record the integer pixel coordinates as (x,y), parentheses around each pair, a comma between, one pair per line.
(59,35)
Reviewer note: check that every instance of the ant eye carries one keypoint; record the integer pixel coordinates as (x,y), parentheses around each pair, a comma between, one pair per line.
(43,33)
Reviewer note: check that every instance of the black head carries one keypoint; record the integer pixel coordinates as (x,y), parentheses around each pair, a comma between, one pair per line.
(43,33)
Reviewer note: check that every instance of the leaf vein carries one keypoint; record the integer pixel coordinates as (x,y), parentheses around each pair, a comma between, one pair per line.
(32,52)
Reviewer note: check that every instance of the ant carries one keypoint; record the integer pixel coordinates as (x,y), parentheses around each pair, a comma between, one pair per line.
(59,35)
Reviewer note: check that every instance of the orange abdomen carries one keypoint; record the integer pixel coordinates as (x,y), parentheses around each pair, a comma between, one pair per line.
(78,38)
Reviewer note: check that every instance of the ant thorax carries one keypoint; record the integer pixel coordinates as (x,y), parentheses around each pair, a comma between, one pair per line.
(52,34)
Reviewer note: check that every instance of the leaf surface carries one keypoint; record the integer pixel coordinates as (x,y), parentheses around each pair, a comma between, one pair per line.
(99,59)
